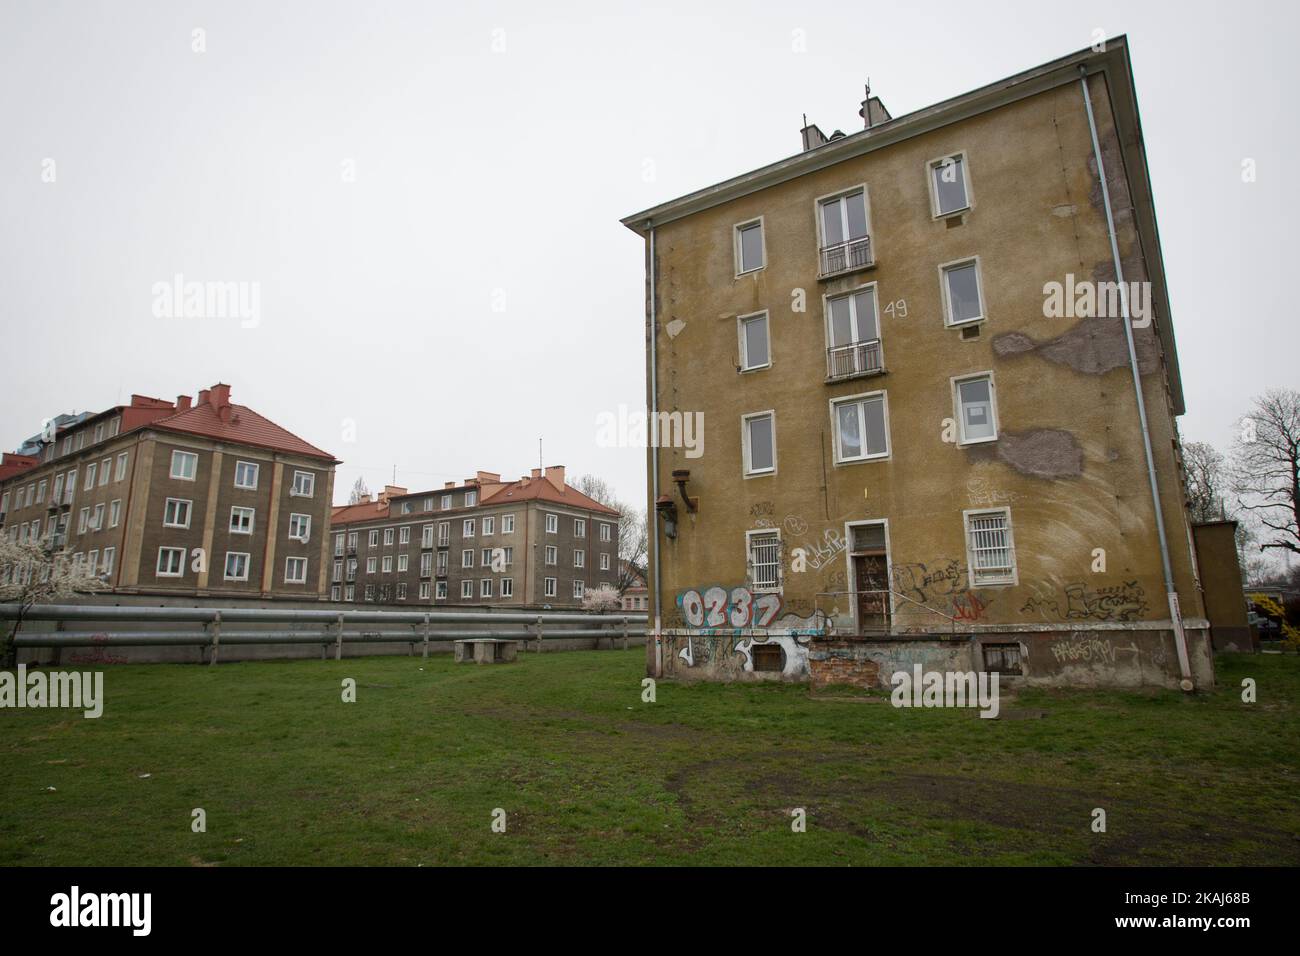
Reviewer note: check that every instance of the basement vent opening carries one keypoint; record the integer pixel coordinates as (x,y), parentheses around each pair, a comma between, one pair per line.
(954,221)
(1002,659)
(970,332)
(768,657)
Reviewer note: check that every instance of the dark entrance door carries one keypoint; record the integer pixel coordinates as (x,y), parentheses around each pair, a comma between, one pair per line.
(871,580)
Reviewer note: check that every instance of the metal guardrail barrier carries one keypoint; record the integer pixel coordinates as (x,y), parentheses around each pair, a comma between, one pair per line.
(332,626)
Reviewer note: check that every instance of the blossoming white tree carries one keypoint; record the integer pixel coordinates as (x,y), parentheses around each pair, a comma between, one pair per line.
(31,574)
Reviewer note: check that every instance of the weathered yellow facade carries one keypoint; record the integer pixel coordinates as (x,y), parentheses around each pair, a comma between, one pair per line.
(1088,601)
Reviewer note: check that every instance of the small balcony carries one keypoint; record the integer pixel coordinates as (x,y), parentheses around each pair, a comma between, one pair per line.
(844,257)
(854,360)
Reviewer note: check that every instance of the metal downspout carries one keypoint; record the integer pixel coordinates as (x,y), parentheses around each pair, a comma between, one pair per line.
(652,516)
(1175,610)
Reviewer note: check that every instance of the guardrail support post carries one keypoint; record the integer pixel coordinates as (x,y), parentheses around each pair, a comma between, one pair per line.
(214,628)
(426,637)
(624,633)
(338,641)
(539,634)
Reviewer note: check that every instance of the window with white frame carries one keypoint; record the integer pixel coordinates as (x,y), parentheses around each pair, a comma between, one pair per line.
(90,477)
(387,567)
(845,232)
(176,513)
(40,490)
(338,571)
(579,558)
(977,414)
(426,563)
(485,588)
(352,540)
(372,540)
(401,591)
(442,562)
(446,502)
(949,189)
(764,560)
(507,524)
(604,562)
(295,570)
(548,587)
(171,562)
(407,506)
(606,532)
(853,333)
(427,505)
(246,473)
(185,465)
(338,543)
(403,562)
(114,512)
(750,256)
(963,299)
(467,528)
(110,555)
(552,554)
(440,591)
(489,525)
(579,588)
(372,565)
(70,486)
(299,527)
(485,557)
(444,533)
(92,561)
(467,558)
(758,432)
(579,528)
(336,592)
(471,499)
(388,537)
(755,352)
(990,549)
(121,467)
(404,534)
(350,592)
(424,586)
(552,524)
(507,587)
(236,566)
(96,519)
(241,520)
(426,536)
(466,590)
(83,519)
(105,471)
(304,484)
(861,427)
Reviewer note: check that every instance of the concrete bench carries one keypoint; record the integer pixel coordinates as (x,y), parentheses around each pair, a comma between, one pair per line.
(485,650)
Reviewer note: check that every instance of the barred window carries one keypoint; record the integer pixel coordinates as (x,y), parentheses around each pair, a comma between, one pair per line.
(765,561)
(990,550)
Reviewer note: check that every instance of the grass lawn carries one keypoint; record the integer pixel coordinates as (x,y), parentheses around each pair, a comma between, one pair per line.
(588,774)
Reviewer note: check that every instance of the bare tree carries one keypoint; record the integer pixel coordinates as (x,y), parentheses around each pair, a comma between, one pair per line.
(360,492)
(1207,481)
(1266,468)
(30,574)
(632,537)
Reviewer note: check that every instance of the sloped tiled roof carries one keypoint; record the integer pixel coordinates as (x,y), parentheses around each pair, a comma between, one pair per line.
(245,426)
(541,489)
(366,511)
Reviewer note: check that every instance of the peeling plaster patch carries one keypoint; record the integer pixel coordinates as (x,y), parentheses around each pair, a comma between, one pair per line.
(674,328)
(1045,453)
(1063,211)
(1093,346)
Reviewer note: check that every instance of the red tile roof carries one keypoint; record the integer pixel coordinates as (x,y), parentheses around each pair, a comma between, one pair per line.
(14,464)
(243,426)
(366,511)
(541,489)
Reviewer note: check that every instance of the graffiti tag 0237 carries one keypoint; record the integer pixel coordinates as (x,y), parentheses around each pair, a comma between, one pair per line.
(718,607)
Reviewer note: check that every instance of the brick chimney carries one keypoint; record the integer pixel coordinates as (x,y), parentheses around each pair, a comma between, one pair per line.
(537,472)
(555,475)
(390,491)
(204,394)
(873,112)
(182,403)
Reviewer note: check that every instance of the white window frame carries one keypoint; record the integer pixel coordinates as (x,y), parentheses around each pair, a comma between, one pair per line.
(257,470)
(440,591)
(552,524)
(471,498)
(467,558)
(821,224)
(743,342)
(167,508)
(579,558)
(507,587)
(109,558)
(467,589)
(579,589)
(114,512)
(749,560)
(835,426)
(311,485)
(930,167)
(580,527)
(252,519)
(289,562)
(372,565)
(446,502)
(737,248)
(122,462)
(604,561)
(1011,579)
(170,574)
(304,523)
(551,556)
(404,534)
(105,472)
(179,455)
(90,478)
(403,562)
(485,587)
(605,533)
(225,569)
(873,288)
(390,535)
(386,567)
(745,461)
(548,587)
(508,524)
(979,289)
(954,384)
(467,528)
(372,539)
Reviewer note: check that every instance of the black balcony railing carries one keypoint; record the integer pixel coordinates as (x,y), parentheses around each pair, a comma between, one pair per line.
(846,256)
(856,358)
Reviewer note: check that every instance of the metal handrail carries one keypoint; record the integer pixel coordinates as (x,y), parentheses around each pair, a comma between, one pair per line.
(854,358)
(843,256)
(950,618)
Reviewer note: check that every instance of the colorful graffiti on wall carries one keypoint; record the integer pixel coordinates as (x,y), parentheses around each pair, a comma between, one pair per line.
(1078,602)
(719,607)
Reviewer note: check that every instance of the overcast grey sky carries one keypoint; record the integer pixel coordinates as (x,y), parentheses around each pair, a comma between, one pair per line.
(471,289)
